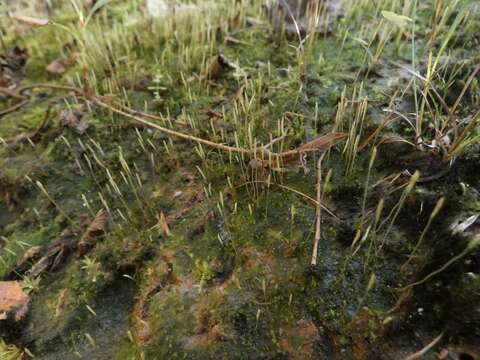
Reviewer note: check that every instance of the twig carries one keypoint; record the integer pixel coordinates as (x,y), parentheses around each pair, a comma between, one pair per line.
(419,354)
(167,131)
(318,232)
(13,107)
(26,98)
(12,93)
(274,141)
(316,145)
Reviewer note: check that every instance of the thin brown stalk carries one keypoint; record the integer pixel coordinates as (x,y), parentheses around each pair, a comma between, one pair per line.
(318,230)
(167,131)
(320,144)
(419,354)
(13,94)
(13,108)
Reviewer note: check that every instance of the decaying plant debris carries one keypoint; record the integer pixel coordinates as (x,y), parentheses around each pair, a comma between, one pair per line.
(283,179)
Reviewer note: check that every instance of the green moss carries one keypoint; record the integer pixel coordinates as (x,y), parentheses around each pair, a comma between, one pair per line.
(18,242)
(240,251)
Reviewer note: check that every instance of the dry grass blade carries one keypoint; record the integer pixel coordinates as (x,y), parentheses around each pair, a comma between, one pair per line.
(28,19)
(99,226)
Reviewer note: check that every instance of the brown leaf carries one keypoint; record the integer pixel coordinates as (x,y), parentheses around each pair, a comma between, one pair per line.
(51,256)
(218,64)
(61,65)
(162,222)
(13,301)
(28,19)
(99,227)
(322,143)
(54,254)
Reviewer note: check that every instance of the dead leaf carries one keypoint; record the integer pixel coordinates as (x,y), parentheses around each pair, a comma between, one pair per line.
(162,222)
(54,254)
(12,66)
(28,19)
(50,261)
(13,300)
(322,143)
(73,120)
(29,255)
(61,65)
(99,227)
(141,308)
(218,64)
